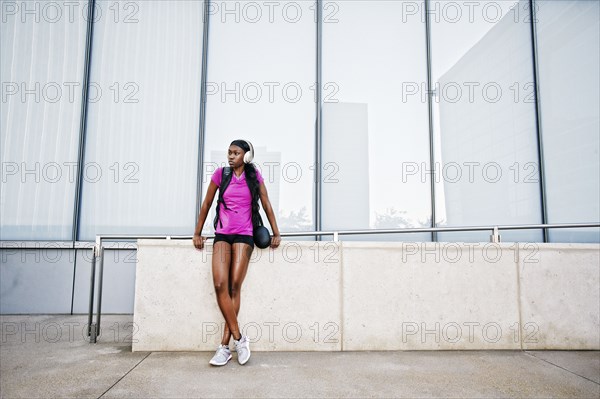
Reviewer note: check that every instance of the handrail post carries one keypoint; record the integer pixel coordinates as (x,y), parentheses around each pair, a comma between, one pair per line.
(92,284)
(93,329)
(100,278)
(495,237)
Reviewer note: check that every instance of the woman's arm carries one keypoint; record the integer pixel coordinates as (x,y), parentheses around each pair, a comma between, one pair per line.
(266,204)
(208,200)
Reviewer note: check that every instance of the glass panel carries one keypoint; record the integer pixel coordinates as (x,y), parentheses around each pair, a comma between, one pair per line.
(142,137)
(568,38)
(260,87)
(375,120)
(484,118)
(42,55)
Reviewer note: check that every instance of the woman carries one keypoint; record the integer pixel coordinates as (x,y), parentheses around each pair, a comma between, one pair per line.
(233,243)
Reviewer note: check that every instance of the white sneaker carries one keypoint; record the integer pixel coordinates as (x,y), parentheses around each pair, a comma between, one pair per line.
(221,357)
(242,347)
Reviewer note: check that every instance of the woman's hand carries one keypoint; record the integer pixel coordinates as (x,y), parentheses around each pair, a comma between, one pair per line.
(275,241)
(199,241)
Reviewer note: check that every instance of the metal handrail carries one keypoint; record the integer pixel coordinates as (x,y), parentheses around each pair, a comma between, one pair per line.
(93,330)
(69,244)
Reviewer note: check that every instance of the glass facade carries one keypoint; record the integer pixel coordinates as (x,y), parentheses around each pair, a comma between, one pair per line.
(375,133)
(568,39)
(484,118)
(143,119)
(426,108)
(42,58)
(260,87)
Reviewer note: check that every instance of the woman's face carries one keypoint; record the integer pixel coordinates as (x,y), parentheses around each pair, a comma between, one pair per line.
(235,156)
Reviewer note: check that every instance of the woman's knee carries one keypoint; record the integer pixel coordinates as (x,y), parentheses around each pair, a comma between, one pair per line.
(235,288)
(220,286)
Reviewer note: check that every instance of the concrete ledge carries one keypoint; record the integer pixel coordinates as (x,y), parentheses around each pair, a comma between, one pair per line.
(429,296)
(560,296)
(291,298)
(326,296)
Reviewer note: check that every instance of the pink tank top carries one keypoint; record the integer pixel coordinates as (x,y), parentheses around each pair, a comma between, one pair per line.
(238,218)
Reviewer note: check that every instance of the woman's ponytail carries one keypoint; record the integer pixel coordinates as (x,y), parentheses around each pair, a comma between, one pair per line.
(254,187)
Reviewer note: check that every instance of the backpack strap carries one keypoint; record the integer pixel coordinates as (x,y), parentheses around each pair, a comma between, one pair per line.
(225,180)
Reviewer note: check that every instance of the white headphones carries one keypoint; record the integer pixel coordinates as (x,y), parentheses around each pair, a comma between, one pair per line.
(249,155)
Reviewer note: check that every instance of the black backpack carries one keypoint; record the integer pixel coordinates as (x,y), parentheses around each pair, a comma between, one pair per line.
(225,180)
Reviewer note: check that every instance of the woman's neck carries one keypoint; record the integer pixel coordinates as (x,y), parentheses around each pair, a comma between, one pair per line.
(238,171)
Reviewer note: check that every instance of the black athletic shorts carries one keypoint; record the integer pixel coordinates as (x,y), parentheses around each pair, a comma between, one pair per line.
(233,238)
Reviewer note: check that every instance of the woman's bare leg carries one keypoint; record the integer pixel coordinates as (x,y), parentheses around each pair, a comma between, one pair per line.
(221,262)
(239,267)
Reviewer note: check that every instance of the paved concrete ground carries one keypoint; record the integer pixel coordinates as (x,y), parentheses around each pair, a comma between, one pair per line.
(47,356)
